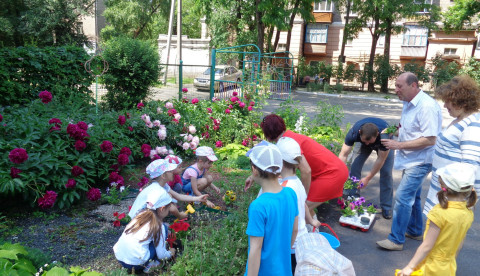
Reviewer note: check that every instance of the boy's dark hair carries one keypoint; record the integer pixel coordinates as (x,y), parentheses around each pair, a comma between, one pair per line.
(368,131)
(264,174)
(442,195)
(290,166)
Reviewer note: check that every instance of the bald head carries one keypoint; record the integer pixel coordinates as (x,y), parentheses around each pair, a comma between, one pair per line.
(406,86)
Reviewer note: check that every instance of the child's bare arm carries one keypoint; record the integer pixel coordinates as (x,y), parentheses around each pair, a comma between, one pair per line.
(423,250)
(175,212)
(309,219)
(182,197)
(254,255)
(196,191)
(295,231)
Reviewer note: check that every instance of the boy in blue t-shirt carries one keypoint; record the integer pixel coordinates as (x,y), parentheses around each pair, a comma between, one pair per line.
(272,217)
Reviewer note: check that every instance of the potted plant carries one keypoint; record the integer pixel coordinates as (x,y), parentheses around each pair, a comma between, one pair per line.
(351,186)
(355,214)
(389,132)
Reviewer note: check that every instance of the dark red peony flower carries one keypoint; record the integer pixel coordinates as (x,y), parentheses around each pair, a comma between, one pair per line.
(146,150)
(115,214)
(80,145)
(106,146)
(114,167)
(1,117)
(55,128)
(116,223)
(172,112)
(121,120)
(14,172)
(82,125)
(76,171)
(94,194)
(48,200)
(45,96)
(128,115)
(122,159)
(206,135)
(130,128)
(113,177)
(73,130)
(55,121)
(71,183)
(126,150)
(18,155)
(140,105)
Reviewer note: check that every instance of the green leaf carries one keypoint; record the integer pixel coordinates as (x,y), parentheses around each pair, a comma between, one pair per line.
(57,271)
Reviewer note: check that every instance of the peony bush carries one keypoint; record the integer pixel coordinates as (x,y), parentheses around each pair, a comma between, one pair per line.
(56,154)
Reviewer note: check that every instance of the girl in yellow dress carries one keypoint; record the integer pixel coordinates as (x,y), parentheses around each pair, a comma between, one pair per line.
(447,224)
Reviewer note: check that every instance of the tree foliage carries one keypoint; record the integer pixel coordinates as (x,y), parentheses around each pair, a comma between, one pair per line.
(461,12)
(42,22)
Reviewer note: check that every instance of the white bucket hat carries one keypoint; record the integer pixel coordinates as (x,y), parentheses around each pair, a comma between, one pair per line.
(459,177)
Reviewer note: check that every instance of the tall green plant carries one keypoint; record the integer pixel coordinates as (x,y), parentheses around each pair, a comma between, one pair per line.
(133,68)
(472,69)
(444,70)
(422,73)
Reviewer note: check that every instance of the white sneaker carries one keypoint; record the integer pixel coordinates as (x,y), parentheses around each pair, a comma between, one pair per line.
(150,266)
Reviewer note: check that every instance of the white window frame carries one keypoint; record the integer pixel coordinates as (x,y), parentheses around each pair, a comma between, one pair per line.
(317,6)
(450,51)
(418,2)
(316,33)
(418,33)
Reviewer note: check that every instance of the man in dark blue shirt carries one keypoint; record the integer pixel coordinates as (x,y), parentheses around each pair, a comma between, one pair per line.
(367,132)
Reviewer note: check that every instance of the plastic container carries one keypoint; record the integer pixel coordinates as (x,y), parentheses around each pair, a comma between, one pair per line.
(334,242)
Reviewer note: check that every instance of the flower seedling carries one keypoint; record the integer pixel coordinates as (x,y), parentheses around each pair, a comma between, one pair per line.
(120,218)
(229,197)
(392,129)
(352,183)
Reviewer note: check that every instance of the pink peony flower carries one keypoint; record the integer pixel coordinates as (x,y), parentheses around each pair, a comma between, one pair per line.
(193,145)
(254,137)
(82,125)
(184,90)
(76,171)
(206,135)
(80,145)
(142,182)
(106,146)
(156,156)
(122,159)
(184,99)
(192,129)
(126,150)
(241,104)
(161,150)
(186,146)
(209,110)
(216,127)
(121,120)
(140,105)
(196,140)
(234,94)
(146,150)
(45,96)
(14,172)
(54,121)
(252,103)
(71,183)
(162,134)
(172,112)
(218,144)
(215,99)
(55,128)
(216,122)
(1,117)
(94,194)
(128,115)
(233,99)
(48,200)
(227,111)
(159,110)
(250,108)
(168,105)
(175,121)
(130,128)
(18,155)
(245,142)
(156,123)
(194,101)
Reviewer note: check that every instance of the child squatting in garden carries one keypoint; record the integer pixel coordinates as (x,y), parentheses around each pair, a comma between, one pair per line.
(142,243)
(447,222)
(161,171)
(272,217)
(195,178)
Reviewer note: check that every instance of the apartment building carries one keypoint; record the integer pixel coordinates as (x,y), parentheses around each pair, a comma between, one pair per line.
(322,40)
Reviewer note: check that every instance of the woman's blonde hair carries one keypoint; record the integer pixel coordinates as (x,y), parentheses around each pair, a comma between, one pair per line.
(442,195)
(156,224)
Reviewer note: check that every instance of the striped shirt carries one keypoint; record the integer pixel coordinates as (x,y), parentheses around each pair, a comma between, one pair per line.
(459,142)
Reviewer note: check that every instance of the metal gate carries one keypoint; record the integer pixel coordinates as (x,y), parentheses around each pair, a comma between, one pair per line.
(277,74)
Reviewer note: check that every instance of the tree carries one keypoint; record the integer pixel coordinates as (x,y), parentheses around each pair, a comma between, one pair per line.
(43,22)
(461,12)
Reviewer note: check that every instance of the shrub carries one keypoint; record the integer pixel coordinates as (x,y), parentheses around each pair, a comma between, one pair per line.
(133,67)
(25,71)
(472,69)
(384,70)
(422,73)
(444,70)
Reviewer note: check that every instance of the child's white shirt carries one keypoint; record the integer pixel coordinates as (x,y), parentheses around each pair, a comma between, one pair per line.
(130,250)
(296,184)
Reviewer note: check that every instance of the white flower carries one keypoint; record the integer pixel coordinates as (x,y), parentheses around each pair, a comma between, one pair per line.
(162,134)
(196,140)
(152,154)
(156,123)
(169,105)
(170,151)
(177,116)
(186,146)
(159,110)
(299,125)
(189,137)
(162,150)
(122,188)
(193,145)
(192,129)
(89,125)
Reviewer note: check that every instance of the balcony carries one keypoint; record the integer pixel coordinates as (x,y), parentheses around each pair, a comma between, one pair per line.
(323,17)
(315,49)
(413,52)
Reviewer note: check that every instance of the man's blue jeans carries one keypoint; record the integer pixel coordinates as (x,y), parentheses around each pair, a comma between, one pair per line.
(386,179)
(407,214)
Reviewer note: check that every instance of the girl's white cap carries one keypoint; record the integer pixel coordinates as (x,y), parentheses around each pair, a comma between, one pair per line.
(459,177)
(158,198)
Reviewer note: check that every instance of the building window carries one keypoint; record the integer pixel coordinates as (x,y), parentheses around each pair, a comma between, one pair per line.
(80,27)
(422,2)
(449,51)
(316,33)
(281,47)
(323,6)
(415,36)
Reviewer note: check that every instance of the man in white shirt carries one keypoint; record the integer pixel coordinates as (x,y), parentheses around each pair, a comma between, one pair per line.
(420,124)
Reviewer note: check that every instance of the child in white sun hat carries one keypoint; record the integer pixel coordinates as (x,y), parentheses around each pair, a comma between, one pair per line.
(195,178)
(291,155)
(161,171)
(142,244)
(448,222)
(272,217)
